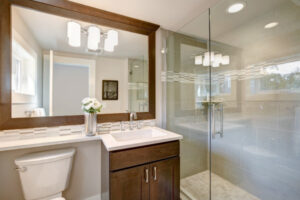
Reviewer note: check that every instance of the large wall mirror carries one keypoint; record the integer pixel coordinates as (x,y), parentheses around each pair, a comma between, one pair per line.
(57,60)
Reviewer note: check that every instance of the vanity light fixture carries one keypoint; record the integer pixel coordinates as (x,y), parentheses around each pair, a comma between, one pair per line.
(216,59)
(94,37)
(271,25)
(236,7)
(74,34)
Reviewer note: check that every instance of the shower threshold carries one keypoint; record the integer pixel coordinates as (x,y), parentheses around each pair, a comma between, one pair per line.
(196,187)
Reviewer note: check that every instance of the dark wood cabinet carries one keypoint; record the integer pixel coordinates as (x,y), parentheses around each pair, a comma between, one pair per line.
(129,184)
(144,173)
(164,182)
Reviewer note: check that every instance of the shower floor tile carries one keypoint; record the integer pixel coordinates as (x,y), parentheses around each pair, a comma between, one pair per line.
(196,187)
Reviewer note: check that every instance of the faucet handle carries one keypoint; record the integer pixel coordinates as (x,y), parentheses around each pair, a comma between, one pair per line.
(123,127)
(140,124)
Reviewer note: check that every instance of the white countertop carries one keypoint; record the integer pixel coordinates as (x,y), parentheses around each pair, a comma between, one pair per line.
(131,139)
(45,141)
(22,139)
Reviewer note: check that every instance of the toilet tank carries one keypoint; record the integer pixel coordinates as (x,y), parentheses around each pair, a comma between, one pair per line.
(45,173)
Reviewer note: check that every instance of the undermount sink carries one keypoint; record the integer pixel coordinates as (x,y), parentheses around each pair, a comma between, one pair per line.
(136,138)
(137,134)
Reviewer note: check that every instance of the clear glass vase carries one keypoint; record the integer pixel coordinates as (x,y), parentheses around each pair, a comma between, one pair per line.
(90,120)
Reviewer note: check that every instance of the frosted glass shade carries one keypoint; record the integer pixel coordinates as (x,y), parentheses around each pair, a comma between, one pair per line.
(198,60)
(74,34)
(112,35)
(93,38)
(225,60)
(108,45)
(206,62)
(209,54)
(215,64)
(218,58)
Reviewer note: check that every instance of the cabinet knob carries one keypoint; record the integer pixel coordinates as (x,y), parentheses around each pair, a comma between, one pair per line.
(147,175)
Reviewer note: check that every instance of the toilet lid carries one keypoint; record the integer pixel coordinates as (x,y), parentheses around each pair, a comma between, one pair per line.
(59,198)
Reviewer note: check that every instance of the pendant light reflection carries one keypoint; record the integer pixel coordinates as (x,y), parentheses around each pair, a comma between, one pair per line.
(225,60)
(93,38)
(112,35)
(93,34)
(108,45)
(74,34)
(216,59)
(198,60)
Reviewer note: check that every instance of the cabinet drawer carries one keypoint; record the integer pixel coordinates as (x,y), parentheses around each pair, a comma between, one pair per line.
(141,155)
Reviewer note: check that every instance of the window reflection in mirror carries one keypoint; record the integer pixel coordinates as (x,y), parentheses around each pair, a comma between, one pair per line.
(56,62)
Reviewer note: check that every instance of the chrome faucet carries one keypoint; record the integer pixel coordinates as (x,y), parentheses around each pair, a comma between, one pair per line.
(132,116)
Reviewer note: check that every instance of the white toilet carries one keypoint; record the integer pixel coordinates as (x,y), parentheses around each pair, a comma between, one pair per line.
(45,175)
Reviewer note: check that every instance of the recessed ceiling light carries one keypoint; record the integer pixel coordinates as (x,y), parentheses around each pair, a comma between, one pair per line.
(271,25)
(236,7)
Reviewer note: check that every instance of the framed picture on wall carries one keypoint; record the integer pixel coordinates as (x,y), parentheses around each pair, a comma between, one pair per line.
(109,90)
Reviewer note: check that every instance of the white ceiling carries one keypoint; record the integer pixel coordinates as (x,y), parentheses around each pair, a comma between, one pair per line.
(242,28)
(169,14)
(50,31)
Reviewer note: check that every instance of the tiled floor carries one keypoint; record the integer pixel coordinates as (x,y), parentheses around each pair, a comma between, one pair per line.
(196,187)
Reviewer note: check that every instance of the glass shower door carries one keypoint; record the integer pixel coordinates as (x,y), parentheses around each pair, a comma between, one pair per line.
(255,98)
(187,100)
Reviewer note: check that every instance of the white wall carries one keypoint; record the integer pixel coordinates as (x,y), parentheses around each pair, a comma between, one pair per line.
(70,86)
(161,36)
(27,39)
(113,69)
(85,181)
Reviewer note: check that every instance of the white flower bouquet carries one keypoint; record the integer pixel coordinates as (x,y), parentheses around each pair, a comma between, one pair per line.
(91,105)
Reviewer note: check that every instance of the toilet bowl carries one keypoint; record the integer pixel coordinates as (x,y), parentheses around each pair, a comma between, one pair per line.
(45,175)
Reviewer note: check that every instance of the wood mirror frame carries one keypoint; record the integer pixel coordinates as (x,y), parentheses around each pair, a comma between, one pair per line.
(75,11)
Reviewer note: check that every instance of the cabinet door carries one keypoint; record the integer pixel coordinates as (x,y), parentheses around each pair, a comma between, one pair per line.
(164,181)
(130,184)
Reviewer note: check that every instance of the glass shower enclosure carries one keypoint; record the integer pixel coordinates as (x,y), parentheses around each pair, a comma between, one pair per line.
(232,89)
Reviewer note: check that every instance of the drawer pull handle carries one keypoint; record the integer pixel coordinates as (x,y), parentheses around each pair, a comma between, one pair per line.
(154,173)
(147,175)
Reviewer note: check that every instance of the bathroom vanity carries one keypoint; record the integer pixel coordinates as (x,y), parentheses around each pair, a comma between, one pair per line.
(148,171)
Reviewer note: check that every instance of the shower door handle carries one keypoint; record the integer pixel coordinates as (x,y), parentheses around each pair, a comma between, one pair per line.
(221,120)
(213,120)
(213,124)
